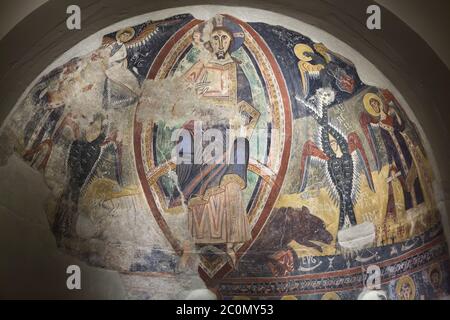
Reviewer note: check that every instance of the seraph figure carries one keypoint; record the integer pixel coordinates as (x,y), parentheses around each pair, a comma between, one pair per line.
(343,157)
(84,155)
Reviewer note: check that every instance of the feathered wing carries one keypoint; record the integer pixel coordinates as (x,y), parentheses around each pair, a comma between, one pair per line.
(115,147)
(355,145)
(330,186)
(311,105)
(367,123)
(331,56)
(310,150)
(309,72)
(110,155)
(389,97)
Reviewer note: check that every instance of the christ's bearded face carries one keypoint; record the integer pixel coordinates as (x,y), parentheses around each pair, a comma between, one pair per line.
(220,43)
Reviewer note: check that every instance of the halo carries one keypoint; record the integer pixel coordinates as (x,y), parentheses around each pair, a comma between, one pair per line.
(129,30)
(435,268)
(409,281)
(300,49)
(331,296)
(367,105)
(233,27)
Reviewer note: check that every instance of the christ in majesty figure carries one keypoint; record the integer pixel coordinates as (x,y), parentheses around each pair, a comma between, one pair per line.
(214,192)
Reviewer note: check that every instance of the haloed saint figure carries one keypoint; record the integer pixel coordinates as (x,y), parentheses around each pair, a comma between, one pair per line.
(213,192)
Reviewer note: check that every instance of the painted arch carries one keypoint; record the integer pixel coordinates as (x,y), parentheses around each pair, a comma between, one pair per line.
(340,182)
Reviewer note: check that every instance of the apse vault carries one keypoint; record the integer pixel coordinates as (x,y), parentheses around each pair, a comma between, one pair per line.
(227,153)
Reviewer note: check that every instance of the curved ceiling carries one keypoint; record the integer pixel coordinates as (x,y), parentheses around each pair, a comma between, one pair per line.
(299,99)
(427,20)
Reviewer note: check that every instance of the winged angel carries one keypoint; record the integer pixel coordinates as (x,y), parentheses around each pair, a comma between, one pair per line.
(343,157)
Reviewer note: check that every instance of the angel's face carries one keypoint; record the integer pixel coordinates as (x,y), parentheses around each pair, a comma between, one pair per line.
(325,97)
(406,291)
(197,37)
(334,145)
(125,36)
(435,279)
(375,104)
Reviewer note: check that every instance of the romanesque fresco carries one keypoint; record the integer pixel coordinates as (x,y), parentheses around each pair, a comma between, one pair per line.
(240,150)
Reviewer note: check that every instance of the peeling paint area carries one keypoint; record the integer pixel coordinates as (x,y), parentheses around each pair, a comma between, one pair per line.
(231,159)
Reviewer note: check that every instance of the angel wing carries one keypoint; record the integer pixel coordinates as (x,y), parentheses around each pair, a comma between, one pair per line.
(141,38)
(389,97)
(355,145)
(330,55)
(310,105)
(116,147)
(308,71)
(310,150)
(367,123)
